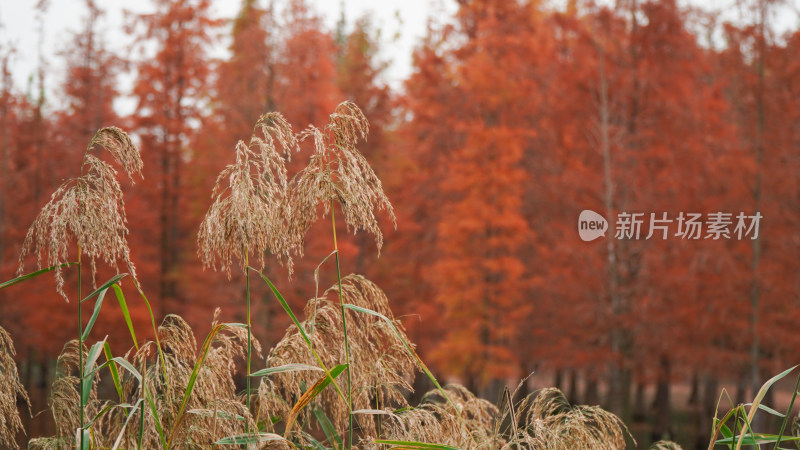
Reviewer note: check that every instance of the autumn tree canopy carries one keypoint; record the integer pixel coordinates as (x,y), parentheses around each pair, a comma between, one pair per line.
(515,117)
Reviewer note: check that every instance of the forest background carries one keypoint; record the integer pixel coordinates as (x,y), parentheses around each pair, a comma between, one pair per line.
(514,117)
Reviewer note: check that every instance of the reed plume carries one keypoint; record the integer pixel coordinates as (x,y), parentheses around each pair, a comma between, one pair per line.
(546,417)
(248,215)
(10,390)
(338,172)
(436,420)
(64,394)
(665,445)
(88,210)
(381,366)
(213,406)
(249,212)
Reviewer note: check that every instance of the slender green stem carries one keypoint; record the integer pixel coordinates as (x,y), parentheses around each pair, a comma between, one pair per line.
(379,406)
(158,342)
(788,413)
(249,334)
(344,328)
(80,345)
(143,384)
(302,331)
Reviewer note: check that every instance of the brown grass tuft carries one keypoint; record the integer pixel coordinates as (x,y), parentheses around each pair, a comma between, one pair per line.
(435,421)
(547,420)
(88,210)
(10,390)
(382,367)
(119,144)
(248,215)
(665,445)
(64,395)
(213,406)
(337,171)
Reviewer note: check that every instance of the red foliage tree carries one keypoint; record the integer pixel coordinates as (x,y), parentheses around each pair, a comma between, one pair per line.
(479,275)
(170,89)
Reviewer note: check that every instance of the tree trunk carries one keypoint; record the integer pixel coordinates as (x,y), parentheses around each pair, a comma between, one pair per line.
(741,390)
(694,393)
(493,391)
(755,291)
(706,412)
(619,376)
(422,384)
(572,393)
(662,426)
(639,410)
(592,394)
(558,379)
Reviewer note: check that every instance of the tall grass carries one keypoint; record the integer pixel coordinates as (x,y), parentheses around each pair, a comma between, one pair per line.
(734,429)
(10,389)
(339,173)
(88,210)
(249,209)
(174,392)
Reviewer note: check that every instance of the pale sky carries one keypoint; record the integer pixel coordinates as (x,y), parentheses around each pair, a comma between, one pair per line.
(407,19)
(402,24)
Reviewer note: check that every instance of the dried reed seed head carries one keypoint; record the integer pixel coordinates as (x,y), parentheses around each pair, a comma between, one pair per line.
(177,337)
(68,361)
(427,424)
(109,425)
(479,415)
(360,291)
(63,397)
(220,418)
(212,409)
(349,124)
(338,172)
(215,393)
(169,376)
(665,445)
(48,443)
(283,445)
(119,144)
(269,403)
(275,127)
(547,415)
(549,402)
(381,365)
(234,338)
(545,421)
(248,214)
(89,210)
(11,389)
(435,420)
(147,355)
(326,339)
(65,394)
